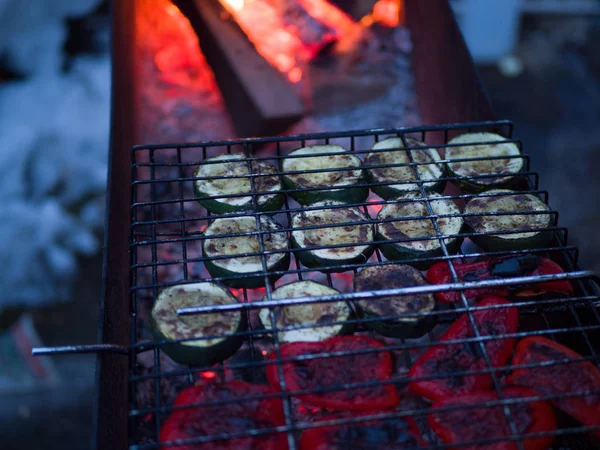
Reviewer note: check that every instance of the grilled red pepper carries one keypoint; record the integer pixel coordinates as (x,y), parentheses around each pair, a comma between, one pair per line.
(237,416)
(470,424)
(569,378)
(338,371)
(393,433)
(491,269)
(466,357)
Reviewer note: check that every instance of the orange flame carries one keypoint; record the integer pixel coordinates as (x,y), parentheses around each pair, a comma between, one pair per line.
(279,44)
(164,32)
(389,13)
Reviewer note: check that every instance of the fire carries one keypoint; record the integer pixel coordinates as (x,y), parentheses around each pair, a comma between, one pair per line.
(285,44)
(164,32)
(389,13)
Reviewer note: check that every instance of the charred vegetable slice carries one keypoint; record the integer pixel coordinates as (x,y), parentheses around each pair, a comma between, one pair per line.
(347,227)
(446,361)
(581,378)
(505,168)
(364,360)
(320,317)
(235,409)
(472,420)
(393,434)
(406,231)
(505,201)
(373,278)
(401,175)
(226,253)
(213,330)
(339,185)
(498,268)
(209,185)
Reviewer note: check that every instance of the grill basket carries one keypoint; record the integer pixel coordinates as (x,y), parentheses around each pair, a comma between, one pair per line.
(165,246)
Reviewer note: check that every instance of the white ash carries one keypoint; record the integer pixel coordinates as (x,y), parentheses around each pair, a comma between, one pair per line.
(53,157)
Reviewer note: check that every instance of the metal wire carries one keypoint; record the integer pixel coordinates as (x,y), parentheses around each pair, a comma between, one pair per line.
(167,235)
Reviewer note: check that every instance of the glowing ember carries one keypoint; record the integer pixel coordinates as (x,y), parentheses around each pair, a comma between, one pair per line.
(389,13)
(375,206)
(290,34)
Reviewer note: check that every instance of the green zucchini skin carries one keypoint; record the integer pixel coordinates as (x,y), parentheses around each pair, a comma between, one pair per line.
(510,201)
(318,313)
(330,260)
(403,207)
(201,356)
(392,276)
(508,175)
(253,281)
(249,267)
(324,184)
(237,165)
(431,174)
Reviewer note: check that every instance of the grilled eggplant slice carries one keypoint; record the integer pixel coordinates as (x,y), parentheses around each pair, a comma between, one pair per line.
(356,238)
(403,230)
(514,202)
(321,317)
(403,172)
(245,271)
(167,325)
(235,165)
(373,278)
(339,185)
(505,169)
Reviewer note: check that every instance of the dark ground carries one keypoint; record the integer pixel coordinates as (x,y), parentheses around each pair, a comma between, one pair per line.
(555,105)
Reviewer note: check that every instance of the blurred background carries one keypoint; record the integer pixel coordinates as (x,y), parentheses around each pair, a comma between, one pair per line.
(539,61)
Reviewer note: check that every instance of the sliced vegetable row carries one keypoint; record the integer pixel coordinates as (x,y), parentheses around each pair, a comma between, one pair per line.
(219,335)
(350,376)
(225,183)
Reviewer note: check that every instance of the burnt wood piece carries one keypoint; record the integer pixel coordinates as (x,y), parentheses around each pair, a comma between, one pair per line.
(356,9)
(111,397)
(448,87)
(260,100)
(315,36)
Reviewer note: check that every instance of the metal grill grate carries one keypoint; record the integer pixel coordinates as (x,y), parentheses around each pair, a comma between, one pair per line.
(166,239)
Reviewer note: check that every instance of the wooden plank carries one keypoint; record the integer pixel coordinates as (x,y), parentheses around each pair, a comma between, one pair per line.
(448,87)
(260,100)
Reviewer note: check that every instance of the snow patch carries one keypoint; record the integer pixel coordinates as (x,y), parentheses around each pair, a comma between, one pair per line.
(53,153)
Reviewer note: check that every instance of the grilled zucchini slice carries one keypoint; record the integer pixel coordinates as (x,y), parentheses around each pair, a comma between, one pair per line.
(373,278)
(356,238)
(318,316)
(167,325)
(505,169)
(403,230)
(247,271)
(403,172)
(236,166)
(508,201)
(339,185)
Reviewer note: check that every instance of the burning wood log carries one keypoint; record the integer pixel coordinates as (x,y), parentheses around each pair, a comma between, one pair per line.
(314,35)
(259,99)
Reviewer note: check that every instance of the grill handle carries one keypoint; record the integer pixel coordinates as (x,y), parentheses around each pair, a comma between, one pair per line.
(77,349)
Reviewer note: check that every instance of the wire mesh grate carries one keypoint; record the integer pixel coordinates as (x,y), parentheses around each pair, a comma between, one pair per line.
(169,230)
